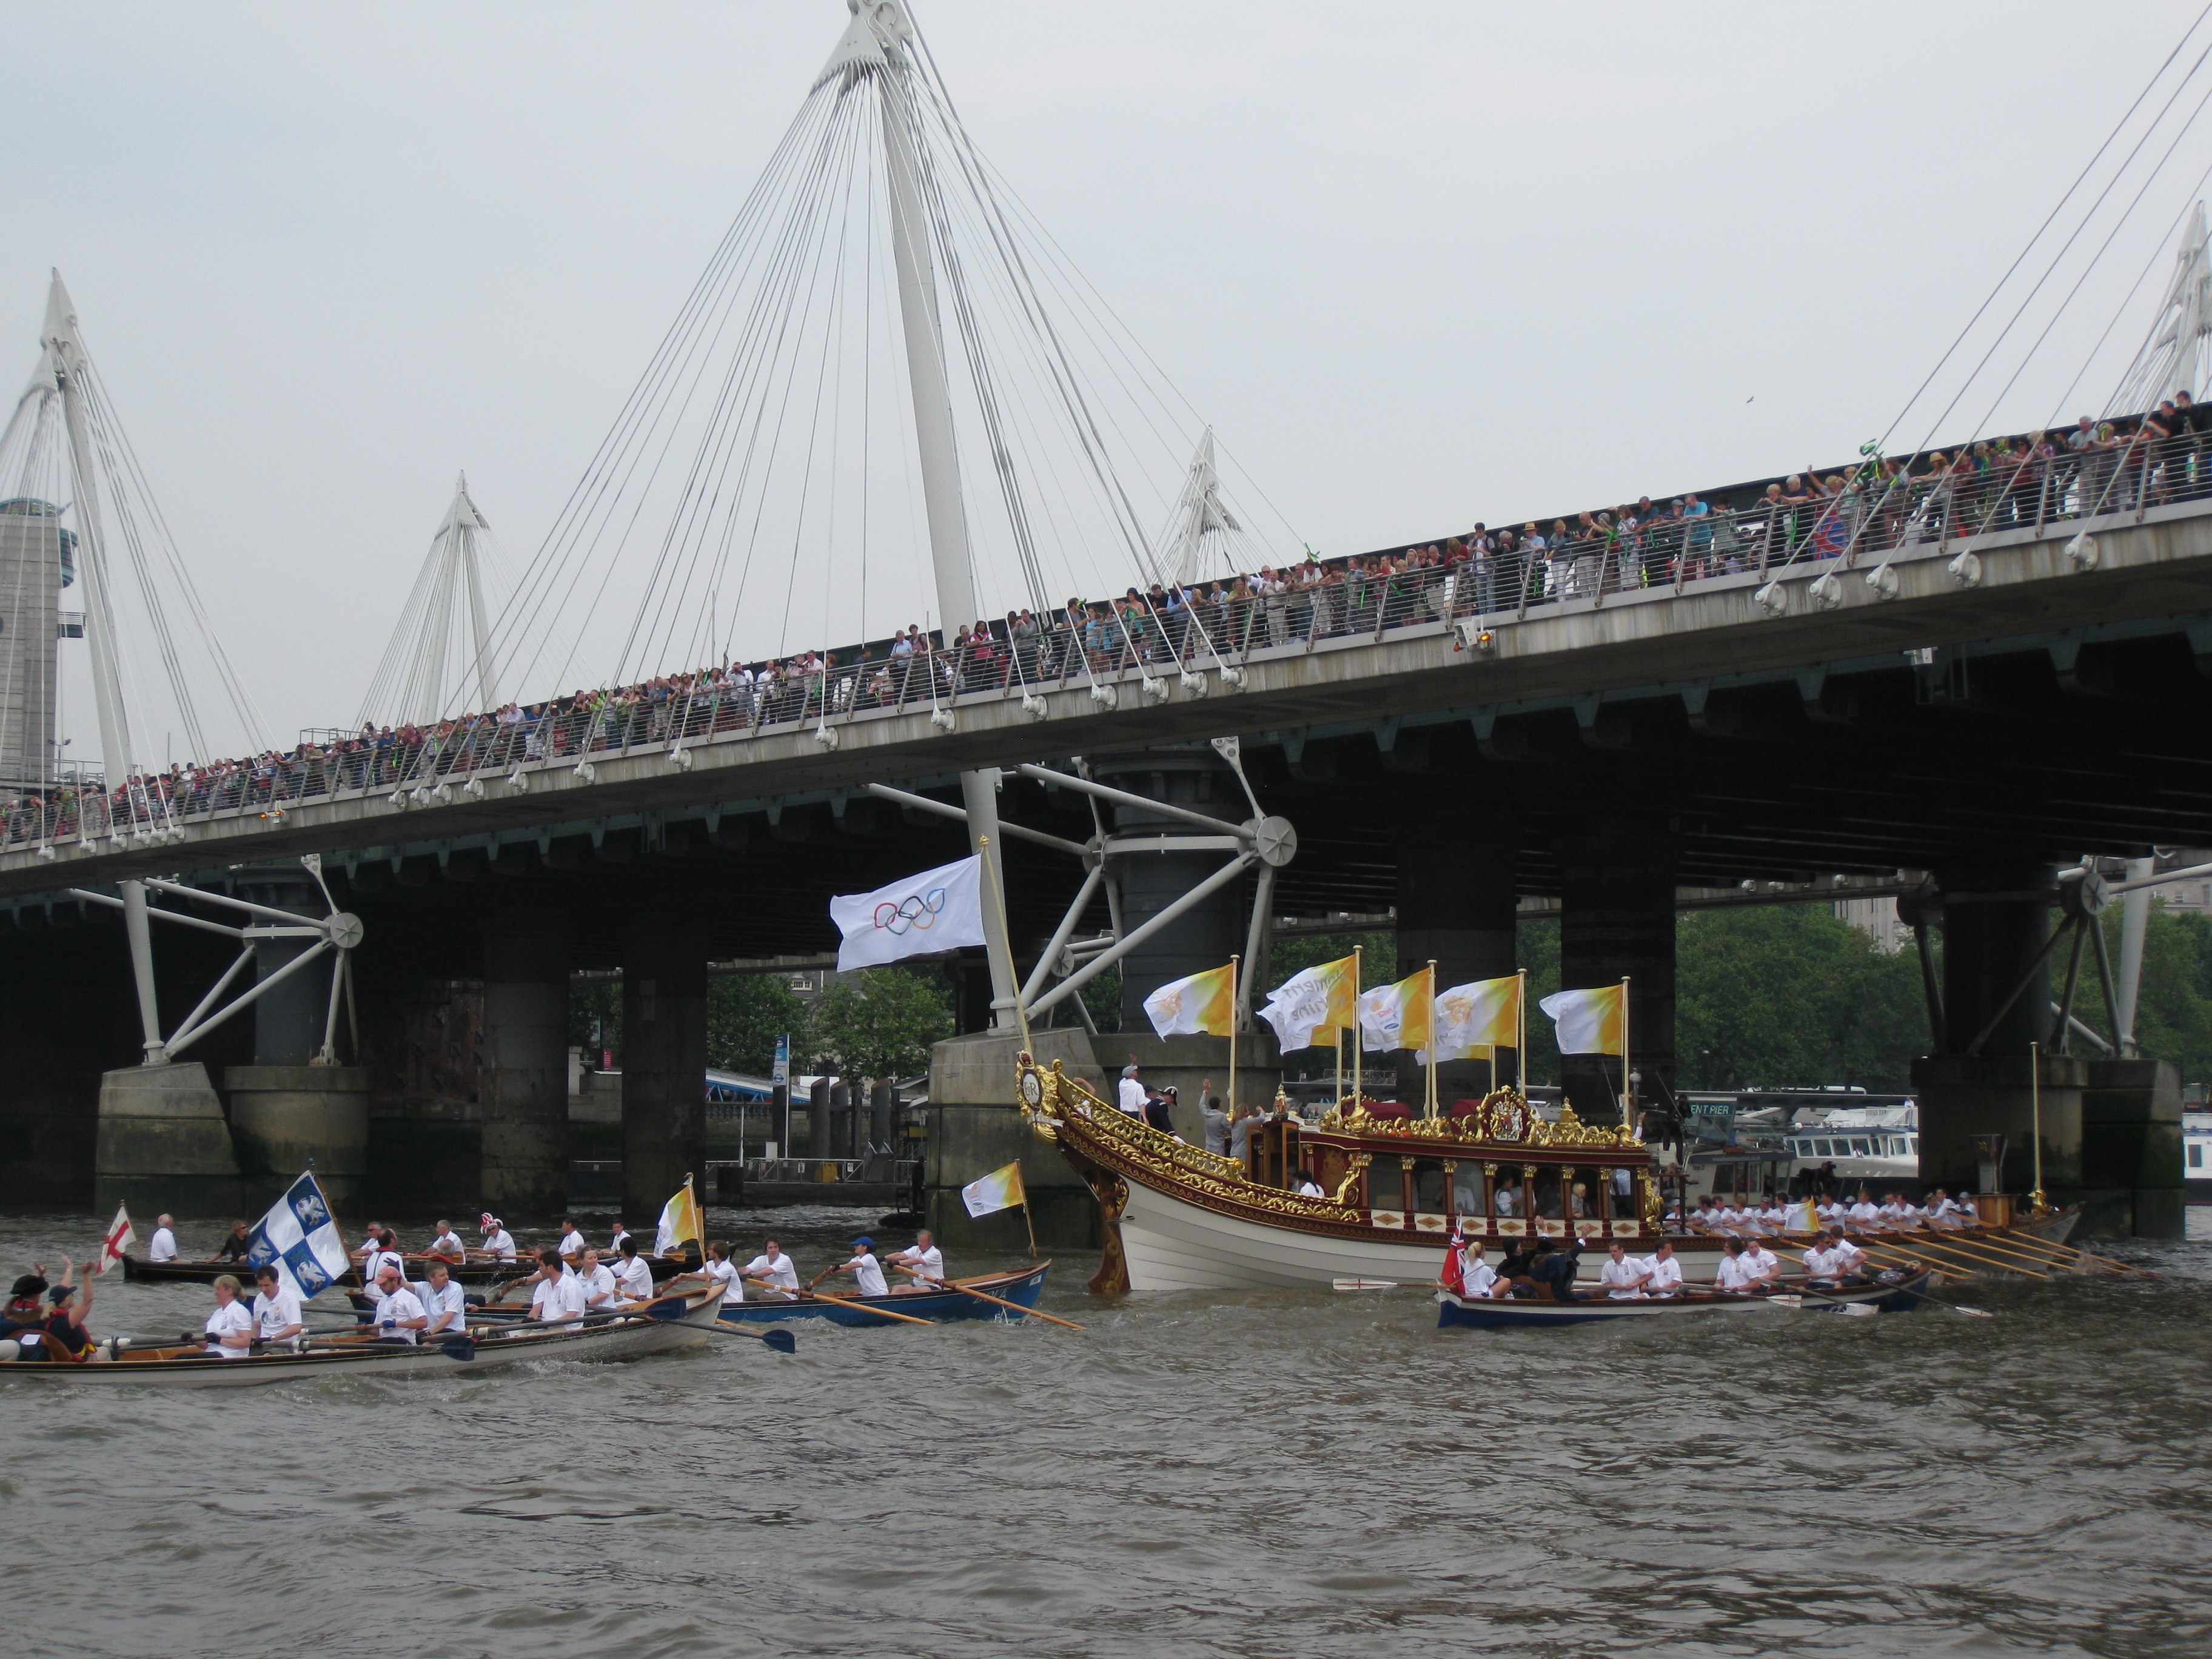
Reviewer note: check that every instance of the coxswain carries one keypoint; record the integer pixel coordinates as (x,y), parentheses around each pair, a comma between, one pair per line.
(229,1329)
(162,1247)
(1477,1277)
(599,1289)
(773,1269)
(448,1244)
(1734,1275)
(615,1240)
(720,1270)
(235,1244)
(924,1261)
(444,1306)
(498,1242)
(571,1243)
(867,1272)
(275,1309)
(558,1294)
(1623,1279)
(633,1274)
(399,1313)
(1664,1272)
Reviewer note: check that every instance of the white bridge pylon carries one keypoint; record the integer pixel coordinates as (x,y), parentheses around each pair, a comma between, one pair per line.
(441,649)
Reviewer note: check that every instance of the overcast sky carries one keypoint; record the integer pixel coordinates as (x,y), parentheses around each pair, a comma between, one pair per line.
(1417,263)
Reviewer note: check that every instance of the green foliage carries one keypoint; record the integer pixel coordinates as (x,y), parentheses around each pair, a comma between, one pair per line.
(880,1021)
(595,1016)
(1102,997)
(1784,996)
(2173,1011)
(745,1014)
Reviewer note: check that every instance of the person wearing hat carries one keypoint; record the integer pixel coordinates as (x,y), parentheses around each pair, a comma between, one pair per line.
(867,1272)
(27,1331)
(498,1242)
(399,1313)
(1159,1110)
(1132,1097)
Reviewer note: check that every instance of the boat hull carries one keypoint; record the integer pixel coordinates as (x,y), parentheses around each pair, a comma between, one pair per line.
(938,1306)
(626,1339)
(1508,1314)
(140,1271)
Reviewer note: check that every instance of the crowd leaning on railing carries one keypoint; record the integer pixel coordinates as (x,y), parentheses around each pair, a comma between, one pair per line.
(1874,506)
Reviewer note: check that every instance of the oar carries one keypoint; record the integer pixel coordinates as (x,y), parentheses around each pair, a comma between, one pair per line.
(862,1307)
(2068,1256)
(2008,1248)
(1937,1244)
(1955,1307)
(776,1335)
(985,1296)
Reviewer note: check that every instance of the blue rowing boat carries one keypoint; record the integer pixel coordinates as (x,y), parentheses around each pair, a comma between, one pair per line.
(1900,1293)
(1022,1288)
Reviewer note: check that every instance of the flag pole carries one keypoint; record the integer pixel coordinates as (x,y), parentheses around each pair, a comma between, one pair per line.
(998,900)
(1625,1102)
(1358,1038)
(1520,1055)
(1431,994)
(1232,1043)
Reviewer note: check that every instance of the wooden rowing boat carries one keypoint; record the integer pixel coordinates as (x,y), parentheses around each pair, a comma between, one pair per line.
(478,1270)
(680,1319)
(1176,1217)
(1022,1287)
(1898,1293)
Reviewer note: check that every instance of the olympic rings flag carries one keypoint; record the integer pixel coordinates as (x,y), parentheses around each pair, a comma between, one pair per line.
(940,909)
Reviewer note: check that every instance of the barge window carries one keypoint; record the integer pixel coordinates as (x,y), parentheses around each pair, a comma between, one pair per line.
(1429,1185)
(1467,1189)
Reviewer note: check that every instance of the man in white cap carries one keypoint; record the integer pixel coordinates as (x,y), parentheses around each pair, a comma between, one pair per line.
(1132,1097)
(498,1242)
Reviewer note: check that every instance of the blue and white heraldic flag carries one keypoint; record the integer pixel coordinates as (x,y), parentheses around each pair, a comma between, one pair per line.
(299,1237)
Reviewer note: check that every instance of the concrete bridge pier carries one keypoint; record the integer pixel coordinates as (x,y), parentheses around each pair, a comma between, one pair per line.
(288,1111)
(1456,903)
(522,1080)
(1995,919)
(663,1059)
(1616,918)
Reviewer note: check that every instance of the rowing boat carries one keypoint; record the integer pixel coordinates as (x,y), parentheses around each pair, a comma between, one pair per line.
(1898,1293)
(478,1270)
(1022,1287)
(680,1319)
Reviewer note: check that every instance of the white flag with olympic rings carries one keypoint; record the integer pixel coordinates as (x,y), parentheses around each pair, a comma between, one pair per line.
(940,909)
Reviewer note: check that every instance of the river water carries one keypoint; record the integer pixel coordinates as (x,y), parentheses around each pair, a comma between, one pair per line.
(1261,1473)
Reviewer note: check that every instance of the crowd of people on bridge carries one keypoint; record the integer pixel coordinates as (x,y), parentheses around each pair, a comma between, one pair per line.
(1874,505)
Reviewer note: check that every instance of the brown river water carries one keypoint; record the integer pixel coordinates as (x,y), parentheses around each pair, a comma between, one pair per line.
(1264,1473)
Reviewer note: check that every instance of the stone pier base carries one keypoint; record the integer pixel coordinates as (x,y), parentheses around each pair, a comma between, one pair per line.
(163,1144)
(975,1128)
(285,1119)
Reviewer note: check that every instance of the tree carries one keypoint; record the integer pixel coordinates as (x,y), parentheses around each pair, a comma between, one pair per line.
(880,1021)
(745,1014)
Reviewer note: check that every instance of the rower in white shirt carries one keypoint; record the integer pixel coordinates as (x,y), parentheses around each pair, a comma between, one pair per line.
(1734,1275)
(1830,1212)
(1943,1212)
(1665,1273)
(448,1244)
(399,1314)
(1706,1215)
(571,1243)
(445,1307)
(633,1274)
(1477,1277)
(498,1242)
(1866,1213)
(1765,1263)
(230,1328)
(162,1247)
(275,1309)
(924,1261)
(723,1271)
(867,1272)
(1777,1214)
(1824,1265)
(558,1294)
(1623,1279)
(600,1291)
(615,1238)
(773,1269)
(1847,1252)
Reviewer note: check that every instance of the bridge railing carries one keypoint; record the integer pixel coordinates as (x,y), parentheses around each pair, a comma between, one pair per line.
(1145,639)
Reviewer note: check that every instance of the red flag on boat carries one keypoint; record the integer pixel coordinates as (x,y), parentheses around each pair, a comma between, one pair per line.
(1451,1277)
(119,1237)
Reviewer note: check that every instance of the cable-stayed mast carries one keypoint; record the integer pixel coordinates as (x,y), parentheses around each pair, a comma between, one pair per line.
(1200,515)
(440,650)
(2171,359)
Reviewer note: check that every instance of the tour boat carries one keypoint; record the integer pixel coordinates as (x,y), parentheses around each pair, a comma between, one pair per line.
(1177,1218)
(678,1319)
(1022,1287)
(1896,1292)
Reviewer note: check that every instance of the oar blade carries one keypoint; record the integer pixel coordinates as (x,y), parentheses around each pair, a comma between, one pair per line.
(780,1340)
